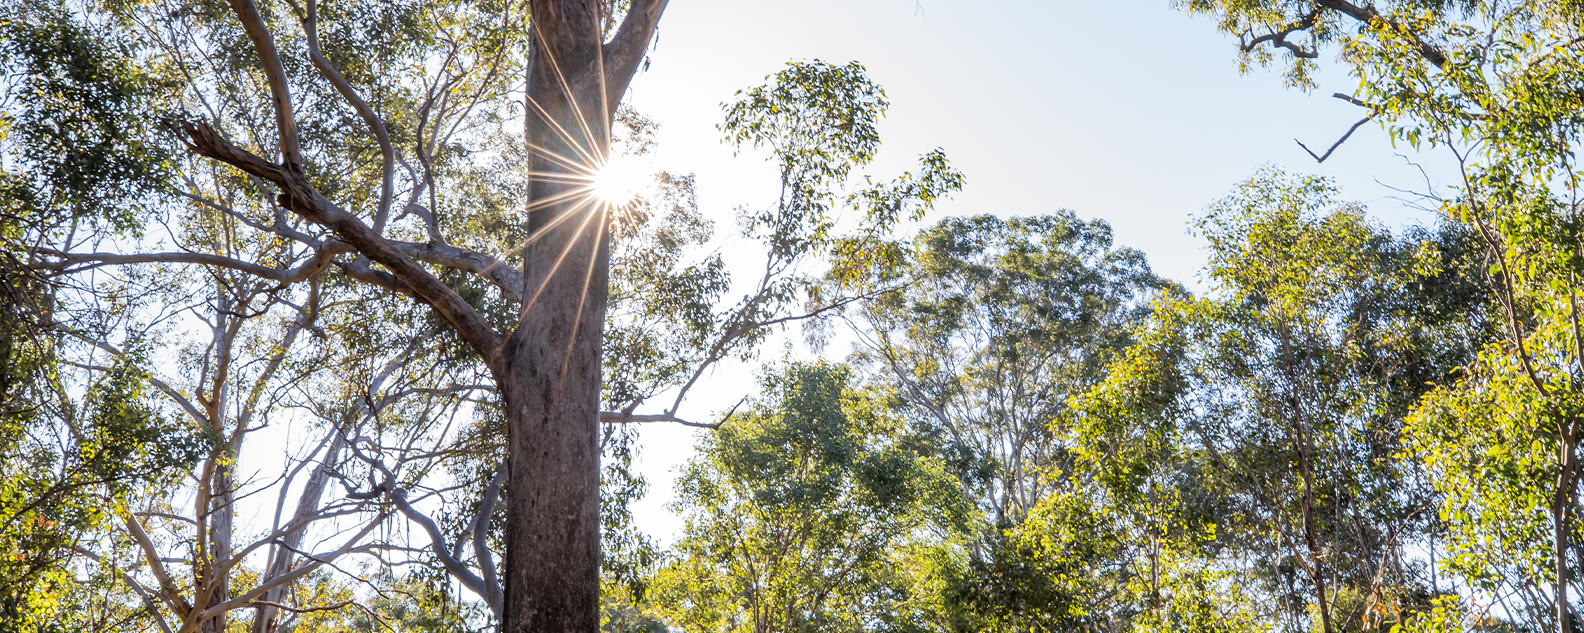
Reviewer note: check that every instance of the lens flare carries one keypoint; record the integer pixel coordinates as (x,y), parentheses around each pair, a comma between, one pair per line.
(620,180)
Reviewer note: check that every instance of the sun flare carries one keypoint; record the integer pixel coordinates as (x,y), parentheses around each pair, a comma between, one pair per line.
(620,179)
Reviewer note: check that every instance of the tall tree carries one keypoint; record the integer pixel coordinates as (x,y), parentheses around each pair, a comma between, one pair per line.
(353,147)
(798,511)
(1269,416)
(998,324)
(306,58)
(671,319)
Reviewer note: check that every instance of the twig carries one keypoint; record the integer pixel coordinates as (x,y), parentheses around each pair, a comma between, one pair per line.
(1320,158)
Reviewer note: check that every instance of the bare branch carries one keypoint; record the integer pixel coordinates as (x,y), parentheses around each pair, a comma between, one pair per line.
(198,417)
(617,417)
(157,567)
(377,125)
(486,560)
(1321,158)
(500,274)
(307,507)
(437,541)
(253,24)
(137,588)
(323,253)
(318,560)
(626,48)
(437,547)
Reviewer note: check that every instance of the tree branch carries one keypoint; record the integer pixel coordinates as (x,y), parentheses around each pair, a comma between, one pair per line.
(387,151)
(157,567)
(1279,38)
(137,588)
(1334,146)
(305,201)
(197,416)
(617,417)
(626,48)
(437,541)
(502,275)
(486,560)
(275,72)
(317,561)
(323,253)
(1368,15)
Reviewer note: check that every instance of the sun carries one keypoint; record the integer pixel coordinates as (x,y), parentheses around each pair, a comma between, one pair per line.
(619,180)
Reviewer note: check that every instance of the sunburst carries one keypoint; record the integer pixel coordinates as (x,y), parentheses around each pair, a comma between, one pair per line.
(620,180)
(596,182)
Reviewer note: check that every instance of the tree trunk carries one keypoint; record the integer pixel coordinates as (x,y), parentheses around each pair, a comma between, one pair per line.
(1562,521)
(267,618)
(550,365)
(221,512)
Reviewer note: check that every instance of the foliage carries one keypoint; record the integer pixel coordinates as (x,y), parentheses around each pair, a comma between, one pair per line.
(1248,447)
(994,326)
(795,511)
(1493,83)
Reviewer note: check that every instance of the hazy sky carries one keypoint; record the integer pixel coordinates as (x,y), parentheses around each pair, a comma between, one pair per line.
(1128,111)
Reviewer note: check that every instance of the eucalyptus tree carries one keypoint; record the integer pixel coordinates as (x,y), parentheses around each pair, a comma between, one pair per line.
(315,109)
(997,325)
(1491,84)
(356,148)
(671,315)
(72,442)
(799,510)
(129,437)
(1256,434)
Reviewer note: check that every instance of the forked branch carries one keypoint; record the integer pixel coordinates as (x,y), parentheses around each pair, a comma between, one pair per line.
(301,198)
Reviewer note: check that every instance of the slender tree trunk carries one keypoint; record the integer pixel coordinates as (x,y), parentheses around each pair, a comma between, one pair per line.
(1313,543)
(1305,441)
(550,365)
(1562,520)
(221,512)
(267,618)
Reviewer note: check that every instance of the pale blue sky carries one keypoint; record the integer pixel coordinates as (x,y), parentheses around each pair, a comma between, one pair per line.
(1129,111)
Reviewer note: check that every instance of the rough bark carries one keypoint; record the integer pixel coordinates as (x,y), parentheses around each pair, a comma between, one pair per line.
(550,375)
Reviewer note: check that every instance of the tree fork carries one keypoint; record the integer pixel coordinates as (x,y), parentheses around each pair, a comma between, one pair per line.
(550,365)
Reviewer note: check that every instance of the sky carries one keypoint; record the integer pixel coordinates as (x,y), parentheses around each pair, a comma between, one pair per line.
(1128,111)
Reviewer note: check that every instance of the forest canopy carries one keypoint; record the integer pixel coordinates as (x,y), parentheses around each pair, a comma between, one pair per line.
(325,316)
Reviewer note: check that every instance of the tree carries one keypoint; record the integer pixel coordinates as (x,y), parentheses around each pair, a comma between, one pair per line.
(1491,84)
(350,153)
(796,511)
(996,325)
(1260,428)
(73,443)
(546,361)
(670,320)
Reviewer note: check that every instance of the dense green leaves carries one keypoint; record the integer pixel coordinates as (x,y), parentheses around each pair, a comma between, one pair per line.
(80,128)
(1495,84)
(1285,393)
(799,512)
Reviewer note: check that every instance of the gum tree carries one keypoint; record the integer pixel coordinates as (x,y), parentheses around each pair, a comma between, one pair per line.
(327,113)
(372,149)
